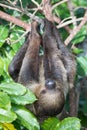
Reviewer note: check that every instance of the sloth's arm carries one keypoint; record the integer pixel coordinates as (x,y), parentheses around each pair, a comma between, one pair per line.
(16,63)
(30,66)
(53,54)
(70,64)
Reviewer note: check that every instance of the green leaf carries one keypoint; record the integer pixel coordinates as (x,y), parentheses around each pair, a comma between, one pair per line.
(1,66)
(80,2)
(13,88)
(82,66)
(5,101)
(26,118)
(7,116)
(27,98)
(1,127)
(70,123)
(50,123)
(80,36)
(77,50)
(14,37)
(8,126)
(6,63)
(3,34)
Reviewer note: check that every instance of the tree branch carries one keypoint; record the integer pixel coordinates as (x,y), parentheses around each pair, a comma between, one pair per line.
(15,20)
(59,3)
(76,30)
(70,6)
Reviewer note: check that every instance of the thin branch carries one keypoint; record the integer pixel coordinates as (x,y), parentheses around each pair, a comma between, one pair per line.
(57,20)
(35,3)
(10,2)
(65,20)
(14,20)
(22,11)
(71,9)
(75,31)
(9,7)
(21,5)
(68,22)
(57,4)
(47,10)
(21,37)
(38,8)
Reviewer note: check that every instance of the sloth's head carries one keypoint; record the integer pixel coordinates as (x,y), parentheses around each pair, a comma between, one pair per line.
(50,99)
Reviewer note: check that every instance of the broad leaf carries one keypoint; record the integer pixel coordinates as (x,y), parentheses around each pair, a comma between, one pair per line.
(82,66)
(80,36)
(70,123)
(50,123)
(1,127)
(27,98)
(5,101)
(80,2)
(7,116)
(77,50)
(1,66)
(3,34)
(8,126)
(26,118)
(13,88)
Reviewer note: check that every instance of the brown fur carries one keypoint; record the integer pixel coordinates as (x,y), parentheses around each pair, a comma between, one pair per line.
(34,71)
(67,59)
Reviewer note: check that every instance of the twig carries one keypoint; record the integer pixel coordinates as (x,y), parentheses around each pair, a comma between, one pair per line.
(57,20)
(15,20)
(38,8)
(47,10)
(65,20)
(69,22)
(21,5)
(75,31)
(21,37)
(9,7)
(70,6)
(35,3)
(57,4)
(10,2)
(22,11)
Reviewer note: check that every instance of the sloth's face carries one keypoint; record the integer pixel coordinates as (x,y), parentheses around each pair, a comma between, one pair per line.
(50,99)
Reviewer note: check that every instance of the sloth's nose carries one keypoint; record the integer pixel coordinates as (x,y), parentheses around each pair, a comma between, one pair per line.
(50,84)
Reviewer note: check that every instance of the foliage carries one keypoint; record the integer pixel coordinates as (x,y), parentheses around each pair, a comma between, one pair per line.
(13,96)
(66,124)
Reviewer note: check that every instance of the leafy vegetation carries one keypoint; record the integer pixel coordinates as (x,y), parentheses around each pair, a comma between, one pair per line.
(14,97)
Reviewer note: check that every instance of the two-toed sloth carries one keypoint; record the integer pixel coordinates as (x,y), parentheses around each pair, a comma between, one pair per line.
(50,77)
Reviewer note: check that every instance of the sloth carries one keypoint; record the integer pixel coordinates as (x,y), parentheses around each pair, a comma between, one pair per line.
(50,76)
